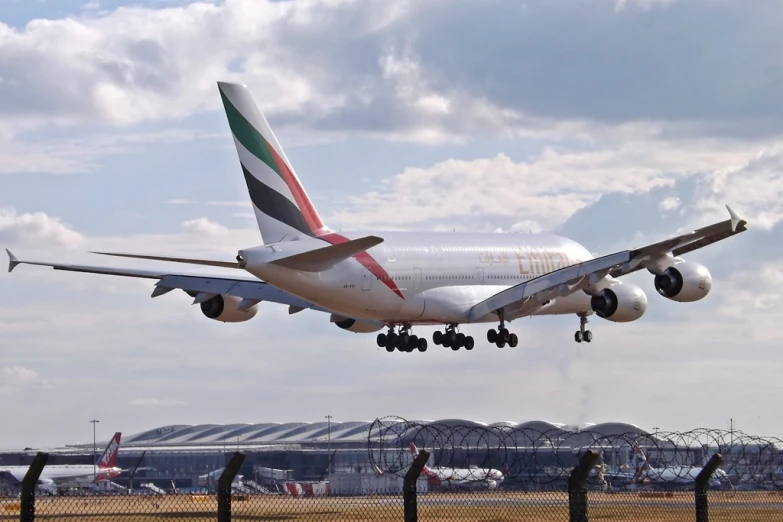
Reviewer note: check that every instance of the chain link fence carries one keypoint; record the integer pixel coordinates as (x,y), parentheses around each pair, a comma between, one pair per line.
(452,471)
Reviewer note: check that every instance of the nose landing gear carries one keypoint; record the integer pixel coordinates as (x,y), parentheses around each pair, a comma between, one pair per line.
(582,334)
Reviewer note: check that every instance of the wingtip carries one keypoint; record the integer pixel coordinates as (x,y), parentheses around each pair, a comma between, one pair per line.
(737,223)
(13,261)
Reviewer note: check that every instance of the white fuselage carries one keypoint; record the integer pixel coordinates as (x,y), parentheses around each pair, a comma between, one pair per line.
(423,278)
(59,474)
(461,477)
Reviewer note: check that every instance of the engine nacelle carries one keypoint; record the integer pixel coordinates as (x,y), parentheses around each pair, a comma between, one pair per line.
(225,308)
(685,282)
(620,303)
(355,325)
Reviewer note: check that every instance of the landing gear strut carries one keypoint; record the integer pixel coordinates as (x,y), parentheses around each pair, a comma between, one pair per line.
(403,341)
(501,336)
(582,334)
(451,339)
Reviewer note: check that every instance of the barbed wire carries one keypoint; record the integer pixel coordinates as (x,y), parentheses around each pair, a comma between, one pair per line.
(523,455)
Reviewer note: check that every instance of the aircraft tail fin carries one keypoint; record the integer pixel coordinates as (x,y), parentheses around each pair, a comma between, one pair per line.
(109,457)
(282,208)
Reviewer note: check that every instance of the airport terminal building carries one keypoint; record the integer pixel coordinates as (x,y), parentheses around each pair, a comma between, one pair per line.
(175,456)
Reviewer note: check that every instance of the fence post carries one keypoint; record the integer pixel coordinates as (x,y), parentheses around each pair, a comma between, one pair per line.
(577,493)
(29,482)
(224,486)
(409,486)
(702,481)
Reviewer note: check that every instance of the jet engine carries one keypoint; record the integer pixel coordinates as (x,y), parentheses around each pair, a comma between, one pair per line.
(620,303)
(685,282)
(355,325)
(225,308)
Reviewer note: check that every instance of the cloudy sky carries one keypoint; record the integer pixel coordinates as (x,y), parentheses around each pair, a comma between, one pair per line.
(613,122)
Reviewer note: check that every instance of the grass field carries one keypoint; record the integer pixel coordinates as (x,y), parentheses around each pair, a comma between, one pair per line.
(478,506)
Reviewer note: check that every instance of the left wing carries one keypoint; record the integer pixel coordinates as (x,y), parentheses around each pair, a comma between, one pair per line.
(525,298)
(193,285)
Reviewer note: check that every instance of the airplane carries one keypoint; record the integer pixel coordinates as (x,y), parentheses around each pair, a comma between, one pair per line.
(57,475)
(641,474)
(460,477)
(674,474)
(398,280)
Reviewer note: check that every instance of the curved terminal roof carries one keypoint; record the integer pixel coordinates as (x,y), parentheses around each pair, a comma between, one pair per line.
(349,431)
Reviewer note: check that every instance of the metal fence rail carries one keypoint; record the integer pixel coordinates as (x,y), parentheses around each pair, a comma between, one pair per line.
(547,475)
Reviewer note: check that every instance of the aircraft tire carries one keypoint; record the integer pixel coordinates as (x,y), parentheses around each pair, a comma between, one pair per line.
(513,340)
(437,337)
(469,343)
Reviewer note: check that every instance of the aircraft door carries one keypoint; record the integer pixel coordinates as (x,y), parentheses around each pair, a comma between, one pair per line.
(417,279)
(479,275)
(366,280)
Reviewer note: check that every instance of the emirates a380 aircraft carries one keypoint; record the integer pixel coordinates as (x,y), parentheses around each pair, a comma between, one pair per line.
(397,280)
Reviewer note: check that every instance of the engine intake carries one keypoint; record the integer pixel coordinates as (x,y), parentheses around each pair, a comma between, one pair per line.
(225,308)
(684,282)
(621,303)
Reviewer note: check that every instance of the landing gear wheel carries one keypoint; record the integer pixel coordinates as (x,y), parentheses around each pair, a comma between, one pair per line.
(500,343)
(503,333)
(455,347)
(422,345)
(513,340)
(460,340)
(390,348)
(578,336)
(381,340)
(492,336)
(469,343)
(452,337)
(437,337)
(446,341)
(405,338)
(391,340)
(588,336)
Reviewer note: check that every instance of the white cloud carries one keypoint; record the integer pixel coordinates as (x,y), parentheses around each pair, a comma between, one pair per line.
(544,190)
(15,379)
(669,204)
(31,228)
(204,226)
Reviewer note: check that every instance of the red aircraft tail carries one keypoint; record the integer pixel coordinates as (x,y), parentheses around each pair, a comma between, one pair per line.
(109,457)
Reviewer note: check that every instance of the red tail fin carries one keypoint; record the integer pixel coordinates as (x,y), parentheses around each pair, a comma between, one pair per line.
(109,457)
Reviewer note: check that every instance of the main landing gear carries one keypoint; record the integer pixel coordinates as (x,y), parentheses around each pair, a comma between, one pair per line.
(451,339)
(582,334)
(501,336)
(403,341)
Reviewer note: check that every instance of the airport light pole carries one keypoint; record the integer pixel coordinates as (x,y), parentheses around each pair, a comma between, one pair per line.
(94,451)
(329,441)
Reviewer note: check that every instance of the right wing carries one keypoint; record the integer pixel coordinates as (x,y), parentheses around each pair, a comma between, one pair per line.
(193,285)
(526,298)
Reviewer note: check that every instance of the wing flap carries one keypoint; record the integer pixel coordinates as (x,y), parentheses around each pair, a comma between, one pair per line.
(325,258)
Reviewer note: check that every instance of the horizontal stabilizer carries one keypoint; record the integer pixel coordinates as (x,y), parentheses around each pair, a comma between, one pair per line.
(12,260)
(325,258)
(190,261)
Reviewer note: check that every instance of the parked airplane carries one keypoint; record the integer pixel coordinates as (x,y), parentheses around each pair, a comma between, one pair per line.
(397,280)
(473,477)
(56,475)
(671,474)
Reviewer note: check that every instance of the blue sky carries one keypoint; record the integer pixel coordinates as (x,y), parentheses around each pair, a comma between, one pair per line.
(612,122)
